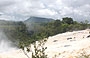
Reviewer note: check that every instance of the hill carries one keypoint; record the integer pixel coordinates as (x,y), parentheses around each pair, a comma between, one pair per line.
(38,20)
(34,23)
(14,31)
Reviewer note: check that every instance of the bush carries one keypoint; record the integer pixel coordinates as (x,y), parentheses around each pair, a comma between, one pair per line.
(39,50)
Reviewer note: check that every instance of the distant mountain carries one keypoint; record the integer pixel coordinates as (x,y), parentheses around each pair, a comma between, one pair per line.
(4,22)
(38,20)
(33,23)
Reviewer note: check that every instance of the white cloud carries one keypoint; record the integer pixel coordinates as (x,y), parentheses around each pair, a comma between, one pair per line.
(21,9)
(46,12)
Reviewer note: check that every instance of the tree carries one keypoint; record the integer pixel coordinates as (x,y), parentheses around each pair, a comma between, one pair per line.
(57,23)
(86,21)
(67,20)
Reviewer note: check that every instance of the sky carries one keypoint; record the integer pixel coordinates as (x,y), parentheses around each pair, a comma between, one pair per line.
(22,9)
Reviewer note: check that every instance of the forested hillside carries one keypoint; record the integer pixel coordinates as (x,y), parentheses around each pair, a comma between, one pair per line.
(19,33)
(57,26)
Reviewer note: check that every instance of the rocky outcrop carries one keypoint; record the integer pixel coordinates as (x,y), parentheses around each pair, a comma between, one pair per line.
(59,47)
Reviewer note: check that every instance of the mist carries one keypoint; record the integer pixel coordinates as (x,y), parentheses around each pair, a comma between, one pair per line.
(5,44)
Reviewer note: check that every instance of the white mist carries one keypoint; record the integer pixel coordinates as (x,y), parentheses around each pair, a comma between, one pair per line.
(5,44)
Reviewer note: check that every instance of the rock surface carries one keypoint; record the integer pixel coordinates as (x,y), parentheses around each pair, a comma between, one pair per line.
(69,44)
(65,45)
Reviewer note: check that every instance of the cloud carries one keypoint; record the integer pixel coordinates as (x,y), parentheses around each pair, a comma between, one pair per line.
(4,3)
(20,10)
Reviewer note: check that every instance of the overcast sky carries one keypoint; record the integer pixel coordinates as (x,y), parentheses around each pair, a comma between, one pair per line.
(23,9)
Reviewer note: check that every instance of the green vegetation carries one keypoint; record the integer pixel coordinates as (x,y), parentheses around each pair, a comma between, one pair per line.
(19,33)
(23,34)
(45,30)
(39,50)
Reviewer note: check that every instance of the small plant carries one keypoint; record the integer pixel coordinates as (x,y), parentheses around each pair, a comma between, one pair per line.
(83,55)
(39,50)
